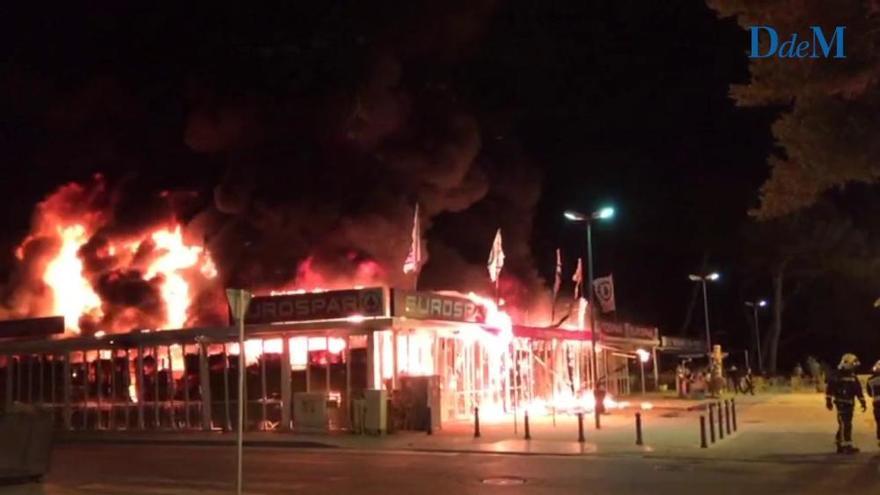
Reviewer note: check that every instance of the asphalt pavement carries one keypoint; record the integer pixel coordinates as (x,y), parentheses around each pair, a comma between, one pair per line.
(157,470)
(784,445)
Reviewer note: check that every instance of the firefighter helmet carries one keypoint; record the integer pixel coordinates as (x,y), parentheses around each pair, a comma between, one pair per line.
(848,362)
(876,368)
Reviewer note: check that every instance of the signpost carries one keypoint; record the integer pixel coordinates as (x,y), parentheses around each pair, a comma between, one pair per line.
(239,299)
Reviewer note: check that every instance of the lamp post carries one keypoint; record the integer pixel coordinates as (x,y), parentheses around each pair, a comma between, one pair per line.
(706,277)
(644,356)
(577,217)
(760,303)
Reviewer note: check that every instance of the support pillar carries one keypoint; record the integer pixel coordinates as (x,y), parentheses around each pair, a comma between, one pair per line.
(205,386)
(67,414)
(141,388)
(285,384)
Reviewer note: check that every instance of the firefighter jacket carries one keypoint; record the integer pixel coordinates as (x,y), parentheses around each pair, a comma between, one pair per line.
(844,389)
(874,387)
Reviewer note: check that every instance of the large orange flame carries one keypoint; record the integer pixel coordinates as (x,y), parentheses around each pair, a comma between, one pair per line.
(73,296)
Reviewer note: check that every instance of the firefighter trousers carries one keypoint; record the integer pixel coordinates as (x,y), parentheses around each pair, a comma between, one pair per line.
(844,424)
(877,418)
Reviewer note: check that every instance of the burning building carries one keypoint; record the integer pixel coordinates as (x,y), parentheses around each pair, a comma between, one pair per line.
(114,322)
(437,353)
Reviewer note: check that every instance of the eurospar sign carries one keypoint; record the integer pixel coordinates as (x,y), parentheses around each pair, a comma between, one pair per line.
(331,305)
(341,304)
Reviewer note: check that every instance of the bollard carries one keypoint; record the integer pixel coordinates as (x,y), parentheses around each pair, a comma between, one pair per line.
(712,422)
(526,426)
(727,416)
(598,420)
(703,444)
(733,410)
(720,422)
(476,422)
(430,429)
(581,438)
(639,429)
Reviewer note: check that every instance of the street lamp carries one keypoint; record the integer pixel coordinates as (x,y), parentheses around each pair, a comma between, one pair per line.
(644,356)
(706,277)
(603,213)
(761,303)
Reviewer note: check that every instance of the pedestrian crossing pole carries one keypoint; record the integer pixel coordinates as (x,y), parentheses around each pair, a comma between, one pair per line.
(238,302)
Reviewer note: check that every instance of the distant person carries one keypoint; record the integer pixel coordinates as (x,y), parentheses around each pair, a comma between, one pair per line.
(843,390)
(601,392)
(874,391)
(748,385)
(815,370)
(682,376)
(797,376)
(734,374)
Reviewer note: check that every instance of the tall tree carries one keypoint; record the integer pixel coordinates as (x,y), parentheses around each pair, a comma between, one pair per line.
(827,134)
(801,247)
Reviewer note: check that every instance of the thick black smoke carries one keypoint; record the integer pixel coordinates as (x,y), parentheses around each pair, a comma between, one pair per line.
(310,133)
(328,170)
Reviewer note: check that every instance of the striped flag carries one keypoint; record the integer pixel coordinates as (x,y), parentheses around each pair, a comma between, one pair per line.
(414,258)
(496,258)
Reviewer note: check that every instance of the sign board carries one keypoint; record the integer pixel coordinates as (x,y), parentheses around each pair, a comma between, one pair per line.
(328,305)
(628,331)
(641,333)
(435,306)
(32,327)
(238,300)
(611,329)
(682,344)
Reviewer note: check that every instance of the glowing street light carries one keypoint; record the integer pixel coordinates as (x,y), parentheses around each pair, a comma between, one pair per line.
(603,213)
(644,356)
(706,277)
(761,303)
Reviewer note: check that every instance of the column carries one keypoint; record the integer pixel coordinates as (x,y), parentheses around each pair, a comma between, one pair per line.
(286,395)
(66,378)
(205,385)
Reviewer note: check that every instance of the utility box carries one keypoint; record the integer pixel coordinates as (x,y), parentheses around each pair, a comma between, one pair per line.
(25,445)
(376,414)
(310,412)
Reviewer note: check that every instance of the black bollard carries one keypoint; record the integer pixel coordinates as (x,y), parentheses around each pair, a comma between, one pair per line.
(712,422)
(703,432)
(733,410)
(598,420)
(727,416)
(639,429)
(581,438)
(526,425)
(430,428)
(476,422)
(720,422)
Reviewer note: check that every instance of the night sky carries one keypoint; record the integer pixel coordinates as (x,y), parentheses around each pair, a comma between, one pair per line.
(619,102)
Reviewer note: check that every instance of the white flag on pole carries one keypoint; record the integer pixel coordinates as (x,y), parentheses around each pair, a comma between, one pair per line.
(496,258)
(604,287)
(557,281)
(578,279)
(414,257)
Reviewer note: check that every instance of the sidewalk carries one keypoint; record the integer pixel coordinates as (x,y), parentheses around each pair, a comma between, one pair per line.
(671,427)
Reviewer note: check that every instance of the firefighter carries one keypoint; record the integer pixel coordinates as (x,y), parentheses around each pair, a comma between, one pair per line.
(842,392)
(874,391)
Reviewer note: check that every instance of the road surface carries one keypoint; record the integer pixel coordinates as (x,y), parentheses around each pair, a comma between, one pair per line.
(164,470)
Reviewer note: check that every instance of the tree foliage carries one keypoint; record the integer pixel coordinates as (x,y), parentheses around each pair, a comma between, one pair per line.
(828,132)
